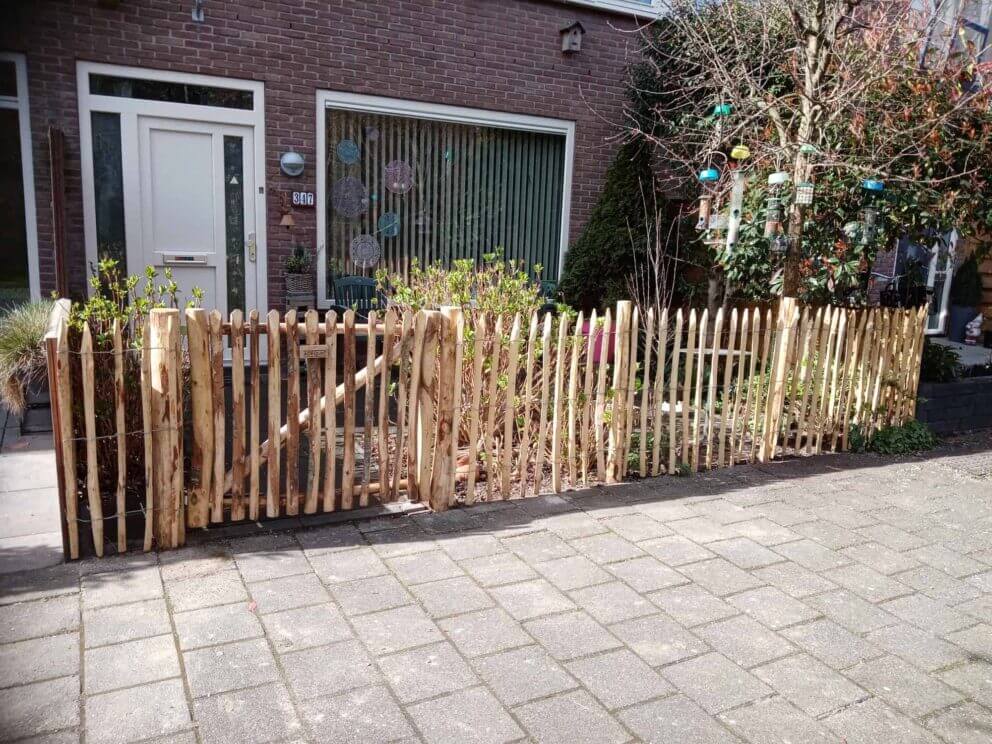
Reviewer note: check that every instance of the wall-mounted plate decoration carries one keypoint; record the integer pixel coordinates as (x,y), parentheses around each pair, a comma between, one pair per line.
(389,225)
(371,134)
(365,251)
(348,152)
(349,197)
(398,176)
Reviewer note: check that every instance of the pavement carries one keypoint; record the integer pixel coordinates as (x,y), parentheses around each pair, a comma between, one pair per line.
(832,599)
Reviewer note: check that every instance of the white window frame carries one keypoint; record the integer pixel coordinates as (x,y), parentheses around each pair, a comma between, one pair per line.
(630,7)
(342,101)
(21,104)
(932,269)
(89,102)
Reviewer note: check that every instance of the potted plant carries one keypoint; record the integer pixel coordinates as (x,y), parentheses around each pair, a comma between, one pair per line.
(22,359)
(966,296)
(299,272)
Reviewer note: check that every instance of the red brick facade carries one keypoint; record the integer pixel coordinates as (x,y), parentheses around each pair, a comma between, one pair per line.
(502,55)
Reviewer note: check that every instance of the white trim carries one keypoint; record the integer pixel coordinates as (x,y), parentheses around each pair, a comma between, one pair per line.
(129,108)
(626,7)
(340,100)
(952,243)
(23,107)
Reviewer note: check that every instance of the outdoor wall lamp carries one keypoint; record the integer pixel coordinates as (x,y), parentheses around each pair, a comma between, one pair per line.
(291,163)
(197,13)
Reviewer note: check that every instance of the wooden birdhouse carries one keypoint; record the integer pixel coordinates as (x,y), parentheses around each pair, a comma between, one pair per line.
(571,38)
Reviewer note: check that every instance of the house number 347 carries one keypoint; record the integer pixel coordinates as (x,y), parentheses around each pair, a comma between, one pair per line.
(303,199)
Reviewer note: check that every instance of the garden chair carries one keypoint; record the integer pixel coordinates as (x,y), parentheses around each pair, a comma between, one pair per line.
(357,293)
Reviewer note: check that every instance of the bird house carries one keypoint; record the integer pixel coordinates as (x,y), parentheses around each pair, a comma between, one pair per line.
(571,38)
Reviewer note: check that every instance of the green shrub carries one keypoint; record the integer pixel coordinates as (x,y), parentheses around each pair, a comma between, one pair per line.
(939,363)
(906,439)
(966,288)
(22,352)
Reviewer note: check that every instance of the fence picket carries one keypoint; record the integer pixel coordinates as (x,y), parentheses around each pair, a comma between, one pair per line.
(573,403)
(542,429)
(313,404)
(525,434)
(89,419)
(237,415)
(687,397)
(587,394)
(275,410)
(478,352)
(697,396)
(403,382)
(726,406)
(413,417)
(120,402)
(330,410)
(510,410)
(629,398)
(292,415)
(254,432)
(348,467)
(63,398)
(489,437)
(711,392)
(659,391)
(642,441)
(382,451)
(603,349)
(673,391)
(146,433)
(558,404)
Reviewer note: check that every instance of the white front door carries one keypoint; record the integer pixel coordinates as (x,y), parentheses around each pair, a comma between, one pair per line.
(197,210)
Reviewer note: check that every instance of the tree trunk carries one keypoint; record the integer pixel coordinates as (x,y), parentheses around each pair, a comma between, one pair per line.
(791,279)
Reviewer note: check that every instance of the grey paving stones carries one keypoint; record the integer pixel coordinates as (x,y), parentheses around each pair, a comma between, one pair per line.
(137,713)
(484,632)
(675,719)
(120,587)
(213,625)
(498,569)
(38,659)
(397,629)
(613,602)
(370,595)
(963,724)
(220,588)
(329,539)
(538,546)
(916,646)
(720,577)
(606,548)
(812,555)
(570,718)
(881,558)
(19,622)
(451,596)
(874,722)
(977,640)
(745,641)
(794,580)
(867,583)
(402,540)
(426,672)
(348,565)
(715,682)
(809,685)
(903,686)
(470,716)
(39,707)
(939,585)
(530,599)
(765,532)
(974,679)
(253,716)
(636,527)
(829,534)
(851,611)
(469,545)
(305,627)
(675,550)
(891,537)
(772,607)
(218,669)
(126,622)
(132,663)
(269,557)
(573,572)
(744,552)
(946,560)
(775,720)
(329,669)
(646,574)
(619,678)
(287,593)
(421,567)
(703,529)
(523,674)
(571,634)
(830,643)
(692,605)
(356,717)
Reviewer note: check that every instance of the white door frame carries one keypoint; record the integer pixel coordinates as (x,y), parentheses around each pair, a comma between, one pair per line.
(21,104)
(256,273)
(952,242)
(340,100)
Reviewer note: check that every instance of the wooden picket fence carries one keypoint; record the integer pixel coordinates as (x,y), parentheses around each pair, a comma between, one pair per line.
(446,407)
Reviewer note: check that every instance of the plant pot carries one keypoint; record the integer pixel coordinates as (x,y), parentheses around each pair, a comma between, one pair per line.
(37,416)
(957,318)
(597,344)
(300,284)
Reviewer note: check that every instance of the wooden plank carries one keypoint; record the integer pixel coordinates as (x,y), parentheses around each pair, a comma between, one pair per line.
(478,357)
(489,435)
(826,373)
(368,423)
(796,363)
(443,467)
(711,389)
(146,435)
(673,390)
(726,394)
(256,409)
(525,433)
(599,420)
(915,365)
(382,449)
(757,418)
(587,395)
(426,423)
(697,399)
(853,373)
(403,386)
(313,403)
(330,410)
(687,397)
(457,403)
(217,409)
(413,441)
(510,410)
(642,448)
(573,402)
(542,430)
(238,415)
(63,393)
(837,363)
(811,401)
(737,415)
(89,424)
(275,414)
(659,391)
(808,363)
(348,465)
(292,415)
(629,396)
(785,330)
(120,401)
(621,358)
(558,404)
(754,350)
(165,374)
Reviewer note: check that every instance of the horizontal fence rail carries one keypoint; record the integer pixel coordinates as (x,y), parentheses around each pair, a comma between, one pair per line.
(181,421)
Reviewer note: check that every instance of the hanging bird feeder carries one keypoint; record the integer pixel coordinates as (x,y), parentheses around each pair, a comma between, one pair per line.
(740,152)
(779,178)
(804,193)
(773,216)
(808,149)
(873,186)
(708,175)
(705,204)
(869,214)
(780,244)
(722,109)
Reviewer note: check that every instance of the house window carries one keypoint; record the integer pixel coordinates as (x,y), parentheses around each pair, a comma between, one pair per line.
(108,187)
(170,91)
(438,184)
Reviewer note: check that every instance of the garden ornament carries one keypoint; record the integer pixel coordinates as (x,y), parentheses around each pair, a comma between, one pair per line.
(708,175)
(779,178)
(773,216)
(722,109)
(740,152)
(705,202)
(804,193)
(736,208)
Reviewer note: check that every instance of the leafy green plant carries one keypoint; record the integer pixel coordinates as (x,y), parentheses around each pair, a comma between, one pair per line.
(905,439)
(299,261)
(939,363)
(966,288)
(22,354)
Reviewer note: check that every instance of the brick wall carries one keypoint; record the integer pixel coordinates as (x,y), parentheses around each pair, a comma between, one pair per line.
(494,54)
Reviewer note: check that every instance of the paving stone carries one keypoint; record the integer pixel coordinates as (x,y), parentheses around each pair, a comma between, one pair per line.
(396,630)
(224,587)
(983,581)
(217,669)
(370,595)
(523,674)
(980,608)
(720,577)
(775,720)
(569,718)
(783,514)
(261,714)
(607,548)
(745,641)
(715,682)
(132,663)
(812,555)
(646,574)
(744,552)
(538,546)
(774,608)
(330,539)
(469,545)
(692,605)
(443,523)
(468,717)
(946,560)
(843,516)
(39,707)
(269,557)
(71,736)
(573,572)
(765,532)
(484,632)
(287,593)
(348,565)
(402,540)
(356,717)
(306,627)
(422,567)
(794,580)
(851,611)
(125,622)
(531,599)
(974,679)
(830,643)
(613,602)
(329,669)
(675,550)
(675,719)
(498,569)
(42,617)
(121,587)
(809,685)
(977,640)
(874,722)
(903,686)
(916,646)
(25,586)
(666,511)
(938,585)
(38,659)
(137,713)
(451,597)
(703,529)
(195,560)
(867,583)
(829,534)
(963,724)
(635,527)
(425,672)
(571,634)
(572,526)
(722,511)
(881,558)
(213,625)
(619,678)
(892,537)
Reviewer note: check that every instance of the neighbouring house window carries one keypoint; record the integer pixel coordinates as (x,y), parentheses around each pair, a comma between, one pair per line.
(8,78)
(234,220)
(400,188)
(14,278)
(170,92)
(108,186)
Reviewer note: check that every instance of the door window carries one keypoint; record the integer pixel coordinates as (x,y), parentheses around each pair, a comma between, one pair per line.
(108,187)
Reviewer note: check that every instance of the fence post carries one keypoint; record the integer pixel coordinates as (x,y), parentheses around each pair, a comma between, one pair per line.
(426,398)
(776,392)
(60,394)
(166,387)
(621,363)
(201,410)
(442,488)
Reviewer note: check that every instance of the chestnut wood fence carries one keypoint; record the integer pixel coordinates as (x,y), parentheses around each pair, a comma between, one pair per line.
(159,431)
